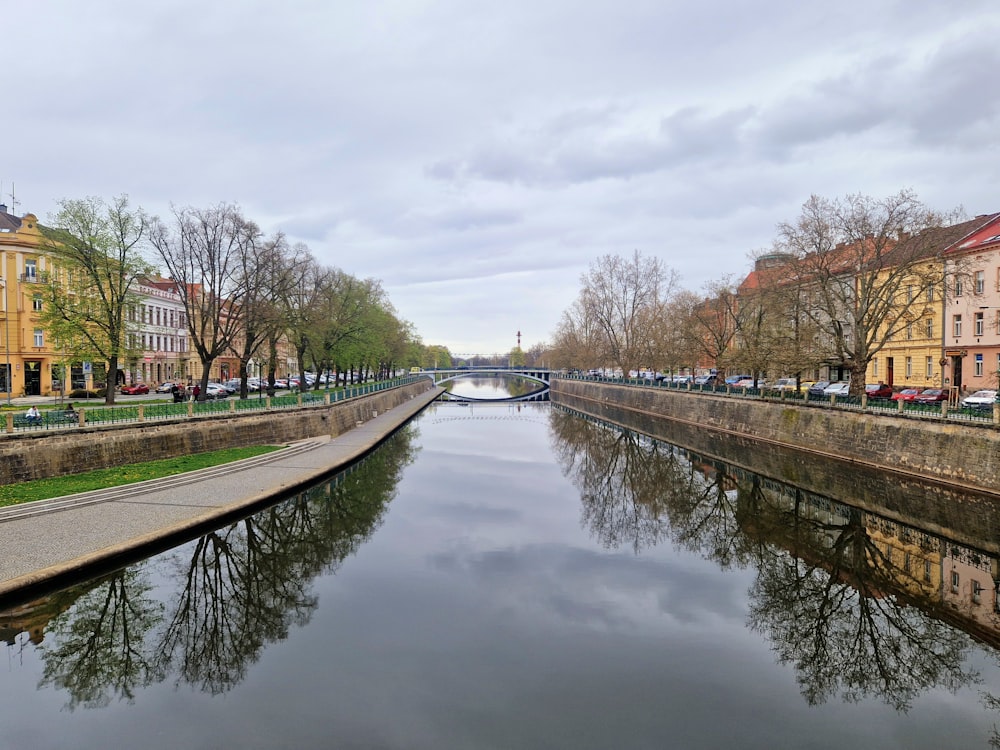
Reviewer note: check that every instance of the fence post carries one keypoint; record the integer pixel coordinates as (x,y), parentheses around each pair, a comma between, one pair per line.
(81,417)
(142,412)
(190,405)
(232,406)
(899,406)
(10,421)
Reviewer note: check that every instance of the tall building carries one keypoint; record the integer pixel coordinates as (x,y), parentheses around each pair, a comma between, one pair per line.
(31,366)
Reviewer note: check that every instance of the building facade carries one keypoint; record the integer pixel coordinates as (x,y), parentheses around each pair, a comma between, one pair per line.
(971,319)
(31,365)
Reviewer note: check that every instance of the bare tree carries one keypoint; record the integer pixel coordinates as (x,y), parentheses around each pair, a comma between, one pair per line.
(624,301)
(265,277)
(204,254)
(854,260)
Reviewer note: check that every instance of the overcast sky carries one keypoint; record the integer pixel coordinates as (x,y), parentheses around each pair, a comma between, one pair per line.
(477,158)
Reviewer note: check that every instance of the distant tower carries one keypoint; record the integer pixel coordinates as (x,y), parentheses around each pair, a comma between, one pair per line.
(518,339)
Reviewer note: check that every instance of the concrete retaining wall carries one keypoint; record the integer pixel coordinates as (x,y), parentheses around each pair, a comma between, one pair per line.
(964,455)
(37,456)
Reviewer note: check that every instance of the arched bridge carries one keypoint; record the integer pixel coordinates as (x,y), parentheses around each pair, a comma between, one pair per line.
(539,375)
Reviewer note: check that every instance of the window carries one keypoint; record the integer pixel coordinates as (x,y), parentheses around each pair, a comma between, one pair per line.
(909,367)
(39,337)
(977,323)
(979,366)
(954,581)
(930,327)
(929,367)
(930,292)
(910,294)
(36,303)
(957,321)
(977,592)
(909,330)
(980,282)
(927,570)
(958,287)
(875,369)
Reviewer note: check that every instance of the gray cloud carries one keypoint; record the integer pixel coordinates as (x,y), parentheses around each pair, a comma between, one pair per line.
(481,158)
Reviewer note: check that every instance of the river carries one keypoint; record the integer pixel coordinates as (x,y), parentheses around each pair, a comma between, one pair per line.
(518,576)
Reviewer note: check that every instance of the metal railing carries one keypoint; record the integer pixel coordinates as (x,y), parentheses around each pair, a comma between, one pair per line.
(57,419)
(989,417)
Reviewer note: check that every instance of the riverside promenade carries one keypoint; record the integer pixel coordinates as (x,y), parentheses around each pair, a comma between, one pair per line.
(46,544)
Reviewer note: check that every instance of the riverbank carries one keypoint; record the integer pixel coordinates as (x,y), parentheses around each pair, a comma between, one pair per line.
(49,544)
(966,456)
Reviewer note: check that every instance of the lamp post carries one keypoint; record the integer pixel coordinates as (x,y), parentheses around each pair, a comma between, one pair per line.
(6,336)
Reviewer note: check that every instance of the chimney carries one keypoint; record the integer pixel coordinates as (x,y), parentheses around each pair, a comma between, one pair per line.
(3,208)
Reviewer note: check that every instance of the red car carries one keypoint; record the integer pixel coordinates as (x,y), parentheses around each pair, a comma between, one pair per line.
(907,394)
(931,396)
(135,390)
(878,390)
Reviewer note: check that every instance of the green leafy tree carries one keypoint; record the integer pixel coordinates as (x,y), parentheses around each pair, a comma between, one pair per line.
(98,249)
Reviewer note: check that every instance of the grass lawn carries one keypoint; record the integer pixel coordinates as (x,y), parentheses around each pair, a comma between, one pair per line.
(43,489)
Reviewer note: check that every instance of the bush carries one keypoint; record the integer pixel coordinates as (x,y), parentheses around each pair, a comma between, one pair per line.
(84,393)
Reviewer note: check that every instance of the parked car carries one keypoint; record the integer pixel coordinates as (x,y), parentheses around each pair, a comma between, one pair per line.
(706,380)
(136,389)
(734,379)
(167,387)
(216,390)
(983,399)
(931,396)
(840,388)
(907,394)
(817,388)
(878,391)
(784,384)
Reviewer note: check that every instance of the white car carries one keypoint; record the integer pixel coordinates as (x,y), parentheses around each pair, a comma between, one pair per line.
(840,388)
(216,390)
(980,400)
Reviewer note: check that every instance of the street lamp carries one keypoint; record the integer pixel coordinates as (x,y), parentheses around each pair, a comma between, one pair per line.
(6,336)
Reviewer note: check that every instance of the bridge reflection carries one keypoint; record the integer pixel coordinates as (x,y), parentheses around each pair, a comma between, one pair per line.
(537,376)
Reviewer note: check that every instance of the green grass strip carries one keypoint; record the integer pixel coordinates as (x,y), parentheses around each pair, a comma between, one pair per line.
(43,489)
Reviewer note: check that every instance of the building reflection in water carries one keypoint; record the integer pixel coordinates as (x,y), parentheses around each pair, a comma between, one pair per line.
(861,597)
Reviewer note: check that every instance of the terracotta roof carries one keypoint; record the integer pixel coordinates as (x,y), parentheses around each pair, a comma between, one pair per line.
(985,232)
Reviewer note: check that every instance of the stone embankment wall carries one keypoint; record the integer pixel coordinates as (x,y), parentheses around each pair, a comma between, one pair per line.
(964,455)
(39,455)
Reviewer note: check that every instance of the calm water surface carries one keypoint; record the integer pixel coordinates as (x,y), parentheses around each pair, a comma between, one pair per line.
(502,576)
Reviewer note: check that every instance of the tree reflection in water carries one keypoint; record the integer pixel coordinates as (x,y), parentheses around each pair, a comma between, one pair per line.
(835,605)
(237,588)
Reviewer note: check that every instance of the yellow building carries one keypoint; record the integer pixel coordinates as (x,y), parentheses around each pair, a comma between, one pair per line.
(912,357)
(28,357)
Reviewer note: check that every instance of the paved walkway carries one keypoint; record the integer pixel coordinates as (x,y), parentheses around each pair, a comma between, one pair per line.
(45,543)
